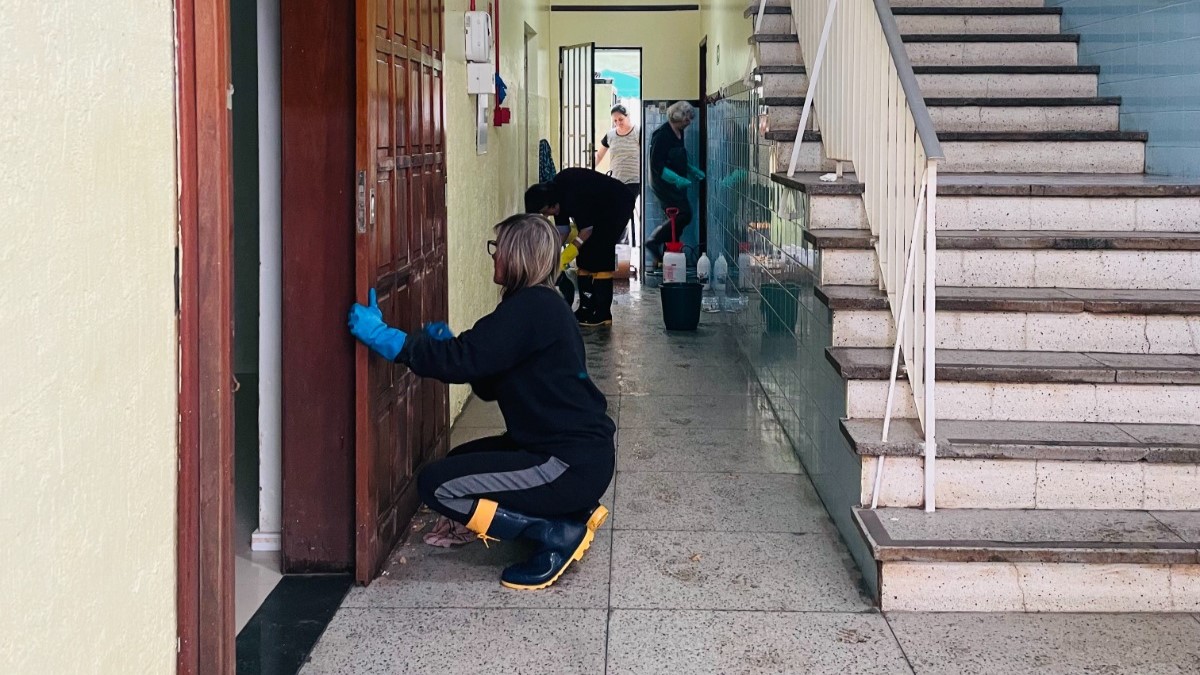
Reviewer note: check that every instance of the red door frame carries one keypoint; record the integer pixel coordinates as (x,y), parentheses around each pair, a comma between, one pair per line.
(204,537)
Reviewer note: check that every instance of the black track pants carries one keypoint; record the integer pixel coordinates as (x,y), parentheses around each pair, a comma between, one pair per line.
(532,483)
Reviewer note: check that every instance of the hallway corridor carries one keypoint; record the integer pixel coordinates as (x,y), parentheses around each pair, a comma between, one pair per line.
(719,558)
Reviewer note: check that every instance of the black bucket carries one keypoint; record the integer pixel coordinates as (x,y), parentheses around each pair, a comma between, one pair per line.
(681,305)
(778,306)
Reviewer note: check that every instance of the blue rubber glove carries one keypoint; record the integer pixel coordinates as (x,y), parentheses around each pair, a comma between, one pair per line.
(675,179)
(695,173)
(366,324)
(438,330)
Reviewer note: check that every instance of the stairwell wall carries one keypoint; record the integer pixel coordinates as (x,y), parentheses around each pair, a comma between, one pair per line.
(1149,54)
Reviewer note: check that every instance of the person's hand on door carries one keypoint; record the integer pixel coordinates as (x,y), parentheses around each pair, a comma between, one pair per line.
(438,330)
(367,325)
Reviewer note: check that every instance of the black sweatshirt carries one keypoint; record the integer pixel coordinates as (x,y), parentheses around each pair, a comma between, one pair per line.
(667,151)
(528,356)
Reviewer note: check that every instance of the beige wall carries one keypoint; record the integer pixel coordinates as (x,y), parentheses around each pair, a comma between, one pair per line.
(670,43)
(485,189)
(727,31)
(87,350)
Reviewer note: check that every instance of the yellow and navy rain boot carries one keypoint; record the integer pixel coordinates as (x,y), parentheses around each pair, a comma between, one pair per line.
(560,542)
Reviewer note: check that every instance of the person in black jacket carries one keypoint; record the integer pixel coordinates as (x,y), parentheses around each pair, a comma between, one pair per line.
(671,174)
(601,206)
(542,480)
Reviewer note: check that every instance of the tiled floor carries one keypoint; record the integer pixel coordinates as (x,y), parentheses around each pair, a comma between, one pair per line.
(719,558)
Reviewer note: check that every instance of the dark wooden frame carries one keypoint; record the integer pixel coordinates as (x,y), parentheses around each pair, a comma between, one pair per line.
(204,564)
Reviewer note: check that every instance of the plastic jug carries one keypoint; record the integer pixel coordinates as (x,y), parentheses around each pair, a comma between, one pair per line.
(721,269)
(745,267)
(674,264)
(703,266)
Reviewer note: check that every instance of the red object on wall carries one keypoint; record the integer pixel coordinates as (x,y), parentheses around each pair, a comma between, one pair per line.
(501,116)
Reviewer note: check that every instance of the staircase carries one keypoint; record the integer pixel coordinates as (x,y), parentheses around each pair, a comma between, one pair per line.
(1068,330)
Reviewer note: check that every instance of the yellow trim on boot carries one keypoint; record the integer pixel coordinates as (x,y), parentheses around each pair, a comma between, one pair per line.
(584,545)
(582,272)
(603,275)
(481,520)
(599,516)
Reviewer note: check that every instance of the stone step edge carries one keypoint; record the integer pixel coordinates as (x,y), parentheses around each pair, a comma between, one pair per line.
(1025,367)
(1021,240)
(759,38)
(986,440)
(1011,136)
(986,102)
(1033,300)
(1006,185)
(752,10)
(886,549)
(956,70)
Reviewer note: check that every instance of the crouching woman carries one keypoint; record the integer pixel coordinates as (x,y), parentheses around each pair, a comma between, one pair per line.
(542,480)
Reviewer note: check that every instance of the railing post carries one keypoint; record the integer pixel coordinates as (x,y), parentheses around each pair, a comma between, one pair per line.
(930,334)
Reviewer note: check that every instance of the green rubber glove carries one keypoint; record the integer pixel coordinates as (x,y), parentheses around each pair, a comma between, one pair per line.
(695,173)
(675,179)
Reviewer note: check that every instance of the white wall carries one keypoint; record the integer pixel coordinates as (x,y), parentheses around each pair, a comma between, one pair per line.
(88,344)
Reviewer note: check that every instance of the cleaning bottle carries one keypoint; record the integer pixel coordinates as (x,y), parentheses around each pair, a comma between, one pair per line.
(745,265)
(703,266)
(674,264)
(720,275)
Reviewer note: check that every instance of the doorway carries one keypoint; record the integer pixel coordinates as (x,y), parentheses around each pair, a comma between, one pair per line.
(364,208)
(618,81)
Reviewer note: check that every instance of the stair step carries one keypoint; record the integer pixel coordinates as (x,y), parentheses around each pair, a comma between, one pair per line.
(966,49)
(1028,319)
(1019,560)
(1065,185)
(896,4)
(970,365)
(1049,300)
(978,20)
(1023,440)
(1030,240)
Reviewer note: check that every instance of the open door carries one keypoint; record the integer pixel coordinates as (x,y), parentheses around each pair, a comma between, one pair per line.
(577,96)
(401,421)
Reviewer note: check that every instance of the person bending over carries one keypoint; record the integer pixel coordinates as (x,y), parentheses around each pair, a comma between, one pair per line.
(542,480)
(600,206)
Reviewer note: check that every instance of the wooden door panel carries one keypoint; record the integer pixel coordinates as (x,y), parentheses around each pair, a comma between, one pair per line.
(402,420)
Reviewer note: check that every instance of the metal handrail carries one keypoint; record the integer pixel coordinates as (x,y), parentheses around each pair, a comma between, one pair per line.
(908,81)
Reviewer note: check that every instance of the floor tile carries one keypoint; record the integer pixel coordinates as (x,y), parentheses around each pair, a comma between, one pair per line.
(697,643)
(730,570)
(723,502)
(419,575)
(1048,643)
(762,450)
(283,631)
(462,641)
(702,412)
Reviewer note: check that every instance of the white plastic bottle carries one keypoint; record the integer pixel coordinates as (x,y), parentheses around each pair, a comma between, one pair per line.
(703,267)
(720,276)
(674,265)
(745,267)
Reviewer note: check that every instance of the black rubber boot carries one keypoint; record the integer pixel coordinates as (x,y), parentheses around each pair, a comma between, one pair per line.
(601,304)
(566,288)
(560,542)
(586,297)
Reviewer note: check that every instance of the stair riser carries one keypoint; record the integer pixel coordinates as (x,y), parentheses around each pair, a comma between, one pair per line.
(937,85)
(942,85)
(1016,268)
(1036,484)
(984,24)
(811,158)
(1044,157)
(779,54)
(774,23)
(1038,587)
(1117,214)
(1029,118)
(788,117)
(967,3)
(992,53)
(1035,402)
(1032,331)
(837,212)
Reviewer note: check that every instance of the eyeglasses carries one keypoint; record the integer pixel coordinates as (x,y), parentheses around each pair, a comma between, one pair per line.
(491,246)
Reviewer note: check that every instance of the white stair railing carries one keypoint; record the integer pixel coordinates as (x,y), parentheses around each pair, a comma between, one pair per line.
(872,115)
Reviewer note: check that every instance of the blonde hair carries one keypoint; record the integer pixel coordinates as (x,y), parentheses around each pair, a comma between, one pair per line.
(680,111)
(527,245)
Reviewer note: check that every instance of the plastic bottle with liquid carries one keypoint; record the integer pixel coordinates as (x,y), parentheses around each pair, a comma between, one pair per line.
(720,276)
(745,267)
(674,264)
(703,267)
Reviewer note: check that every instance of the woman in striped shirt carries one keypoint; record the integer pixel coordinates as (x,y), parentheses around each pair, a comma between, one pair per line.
(623,146)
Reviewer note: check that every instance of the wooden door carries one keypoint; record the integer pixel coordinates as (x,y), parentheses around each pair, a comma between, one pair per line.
(577,96)
(401,421)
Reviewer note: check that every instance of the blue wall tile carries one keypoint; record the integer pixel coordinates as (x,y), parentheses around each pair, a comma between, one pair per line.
(1149,54)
